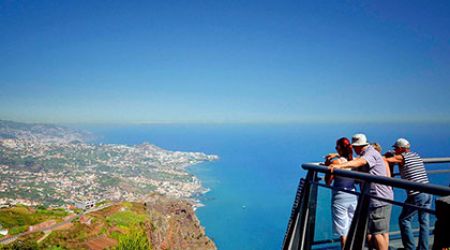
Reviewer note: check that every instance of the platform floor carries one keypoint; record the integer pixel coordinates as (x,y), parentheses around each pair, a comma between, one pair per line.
(394,244)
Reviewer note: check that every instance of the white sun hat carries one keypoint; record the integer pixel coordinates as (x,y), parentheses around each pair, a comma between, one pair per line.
(359,140)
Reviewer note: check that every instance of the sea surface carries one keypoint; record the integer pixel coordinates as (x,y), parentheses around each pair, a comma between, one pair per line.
(254,183)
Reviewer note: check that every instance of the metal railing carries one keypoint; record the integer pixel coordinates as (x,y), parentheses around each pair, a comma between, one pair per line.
(300,230)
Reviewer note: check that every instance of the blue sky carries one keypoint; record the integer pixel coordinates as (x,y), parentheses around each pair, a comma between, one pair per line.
(205,61)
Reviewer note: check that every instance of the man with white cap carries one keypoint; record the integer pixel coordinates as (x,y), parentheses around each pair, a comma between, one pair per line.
(372,162)
(412,168)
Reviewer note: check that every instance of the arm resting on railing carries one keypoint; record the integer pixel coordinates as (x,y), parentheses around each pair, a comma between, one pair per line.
(356,163)
(394,182)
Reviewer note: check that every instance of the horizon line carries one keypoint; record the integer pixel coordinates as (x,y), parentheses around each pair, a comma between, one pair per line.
(237,122)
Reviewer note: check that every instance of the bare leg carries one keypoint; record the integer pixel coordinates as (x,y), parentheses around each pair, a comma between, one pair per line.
(381,243)
(386,238)
(343,239)
(370,242)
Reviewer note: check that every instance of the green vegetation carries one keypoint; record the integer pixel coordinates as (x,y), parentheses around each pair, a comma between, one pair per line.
(55,248)
(18,229)
(126,225)
(78,210)
(135,239)
(124,222)
(101,203)
(21,245)
(16,216)
(57,212)
(67,239)
(116,235)
(17,219)
(126,218)
(127,204)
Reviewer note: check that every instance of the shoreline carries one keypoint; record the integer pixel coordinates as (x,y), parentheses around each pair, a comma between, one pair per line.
(196,198)
(60,162)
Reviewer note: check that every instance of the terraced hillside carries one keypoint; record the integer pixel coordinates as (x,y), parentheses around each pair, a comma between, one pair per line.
(157,223)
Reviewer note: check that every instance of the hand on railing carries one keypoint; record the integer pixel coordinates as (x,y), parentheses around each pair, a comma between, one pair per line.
(328,158)
(332,167)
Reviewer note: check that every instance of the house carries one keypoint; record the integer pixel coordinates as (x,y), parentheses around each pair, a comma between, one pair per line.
(85,204)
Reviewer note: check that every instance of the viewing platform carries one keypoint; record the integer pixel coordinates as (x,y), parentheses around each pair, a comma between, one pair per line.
(300,233)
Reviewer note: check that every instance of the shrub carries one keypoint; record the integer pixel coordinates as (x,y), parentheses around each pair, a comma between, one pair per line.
(18,230)
(55,248)
(135,239)
(126,218)
(22,245)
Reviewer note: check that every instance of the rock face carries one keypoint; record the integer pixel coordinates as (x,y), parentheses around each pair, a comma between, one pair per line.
(174,225)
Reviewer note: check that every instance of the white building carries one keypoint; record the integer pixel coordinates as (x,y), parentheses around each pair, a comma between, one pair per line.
(85,204)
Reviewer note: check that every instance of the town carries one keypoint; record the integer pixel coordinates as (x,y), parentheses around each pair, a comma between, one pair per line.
(54,166)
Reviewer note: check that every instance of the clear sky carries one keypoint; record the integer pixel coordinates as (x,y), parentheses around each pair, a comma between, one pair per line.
(224,61)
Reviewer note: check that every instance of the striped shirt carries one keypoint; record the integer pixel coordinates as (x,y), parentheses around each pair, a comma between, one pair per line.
(413,170)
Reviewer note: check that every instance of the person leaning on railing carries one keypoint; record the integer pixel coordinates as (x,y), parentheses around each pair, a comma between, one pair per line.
(372,162)
(343,205)
(411,168)
(378,148)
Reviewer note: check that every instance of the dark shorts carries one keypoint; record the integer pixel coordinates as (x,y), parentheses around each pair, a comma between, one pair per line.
(379,218)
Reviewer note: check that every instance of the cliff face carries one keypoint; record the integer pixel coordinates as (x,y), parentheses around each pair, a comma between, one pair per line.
(175,225)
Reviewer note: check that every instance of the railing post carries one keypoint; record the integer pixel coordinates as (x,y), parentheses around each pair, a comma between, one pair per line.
(442,225)
(357,234)
(301,235)
(291,239)
(308,213)
(310,220)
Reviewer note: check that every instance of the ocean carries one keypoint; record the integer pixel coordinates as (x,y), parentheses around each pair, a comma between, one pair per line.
(254,183)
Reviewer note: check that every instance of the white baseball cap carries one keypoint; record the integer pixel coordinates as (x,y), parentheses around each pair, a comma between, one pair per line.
(401,143)
(359,140)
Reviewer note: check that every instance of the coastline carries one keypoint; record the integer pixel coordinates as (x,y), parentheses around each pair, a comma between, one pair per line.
(61,163)
(196,198)
(196,194)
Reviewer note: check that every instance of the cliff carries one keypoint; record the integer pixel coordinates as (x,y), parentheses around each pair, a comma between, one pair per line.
(157,223)
(174,225)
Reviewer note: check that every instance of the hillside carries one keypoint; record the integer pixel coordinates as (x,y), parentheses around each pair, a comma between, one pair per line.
(158,223)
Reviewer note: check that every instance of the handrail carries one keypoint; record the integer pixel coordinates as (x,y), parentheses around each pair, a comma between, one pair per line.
(393,202)
(394,182)
(439,171)
(300,230)
(436,160)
